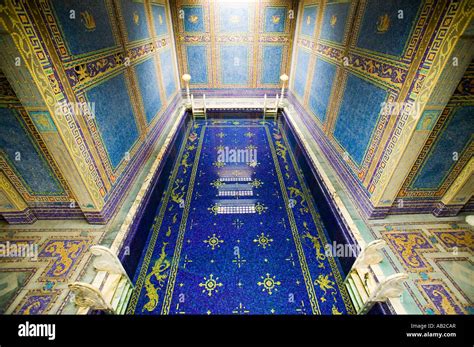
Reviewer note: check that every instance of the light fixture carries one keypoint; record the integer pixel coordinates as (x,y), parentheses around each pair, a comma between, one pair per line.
(283,79)
(186,78)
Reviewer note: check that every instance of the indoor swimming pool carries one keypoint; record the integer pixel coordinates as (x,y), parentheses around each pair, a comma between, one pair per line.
(235,228)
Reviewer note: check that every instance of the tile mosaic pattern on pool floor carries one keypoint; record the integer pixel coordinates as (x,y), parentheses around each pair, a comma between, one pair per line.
(237,235)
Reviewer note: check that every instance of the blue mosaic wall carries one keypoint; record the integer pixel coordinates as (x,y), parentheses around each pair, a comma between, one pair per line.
(449,147)
(358,116)
(23,155)
(321,87)
(348,107)
(150,93)
(118,56)
(275,19)
(235,60)
(91,20)
(455,137)
(308,22)
(154,70)
(234,18)
(135,20)
(196,56)
(168,72)
(358,56)
(159,15)
(271,72)
(382,30)
(334,21)
(193,19)
(233,44)
(301,73)
(114,117)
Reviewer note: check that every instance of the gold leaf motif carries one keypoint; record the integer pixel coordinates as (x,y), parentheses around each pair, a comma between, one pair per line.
(249,134)
(325,283)
(160,266)
(218,164)
(184,162)
(260,208)
(294,193)
(335,311)
(281,150)
(193,19)
(383,23)
(136,18)
(178,191)
(88,20)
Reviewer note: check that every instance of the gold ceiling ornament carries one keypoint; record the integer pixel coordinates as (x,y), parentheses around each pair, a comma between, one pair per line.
(136,18)
(308,20)
(193,19)
(160,19)
(333,20)
(383,24)
(275,19)
(88,20)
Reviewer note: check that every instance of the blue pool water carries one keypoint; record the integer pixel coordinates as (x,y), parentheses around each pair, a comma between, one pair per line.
(236,230)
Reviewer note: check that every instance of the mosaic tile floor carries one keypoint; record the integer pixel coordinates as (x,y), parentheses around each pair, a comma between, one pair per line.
(36,283)
(438,257)
(237,237)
